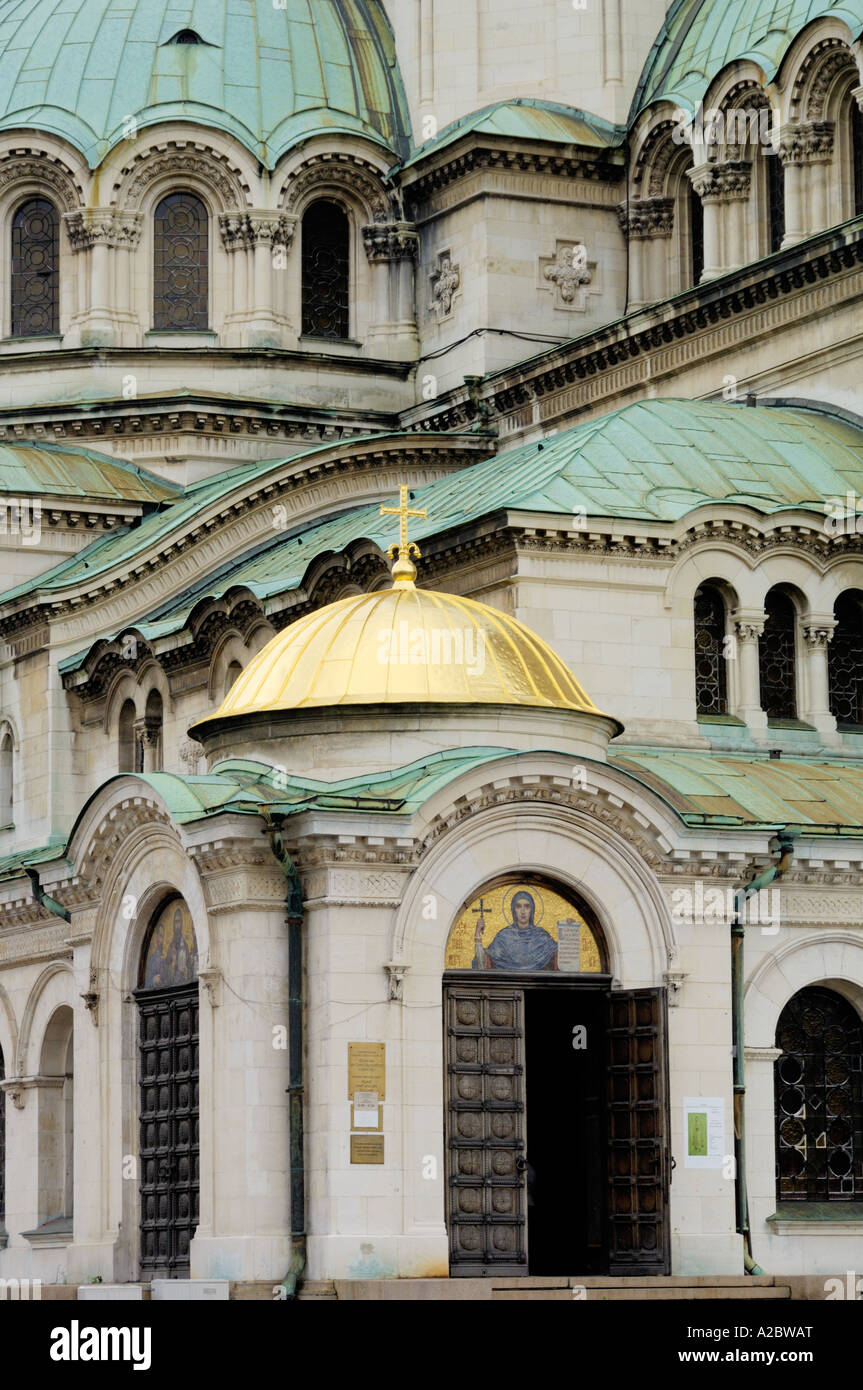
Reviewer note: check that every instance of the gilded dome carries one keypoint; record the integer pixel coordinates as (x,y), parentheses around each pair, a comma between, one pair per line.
(404,645)
(270,75)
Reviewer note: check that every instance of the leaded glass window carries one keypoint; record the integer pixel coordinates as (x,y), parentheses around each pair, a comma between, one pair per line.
(845,661)
(326,273)
(857,156)
(775,200)
(181,263)
(819,1099)
(777,656)
(35,273)
(2,1145)
(696,236)
(710,688)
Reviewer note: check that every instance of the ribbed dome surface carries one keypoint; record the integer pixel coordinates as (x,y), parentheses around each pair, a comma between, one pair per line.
(404,645)
(270,76)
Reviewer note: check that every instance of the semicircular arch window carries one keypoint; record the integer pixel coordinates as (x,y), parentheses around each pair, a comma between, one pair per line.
(181,264)
(35,279)
(819,1099)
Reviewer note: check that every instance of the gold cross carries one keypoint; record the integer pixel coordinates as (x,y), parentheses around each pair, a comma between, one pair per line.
(405,571)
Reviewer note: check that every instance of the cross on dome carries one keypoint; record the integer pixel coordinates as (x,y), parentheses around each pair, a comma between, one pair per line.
(404,570)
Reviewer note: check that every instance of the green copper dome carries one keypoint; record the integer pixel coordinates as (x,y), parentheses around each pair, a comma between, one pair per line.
(270,76)
(701,37)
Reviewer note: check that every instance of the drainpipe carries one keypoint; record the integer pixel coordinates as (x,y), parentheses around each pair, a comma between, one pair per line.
(44,899)
(784,842)
(294,918)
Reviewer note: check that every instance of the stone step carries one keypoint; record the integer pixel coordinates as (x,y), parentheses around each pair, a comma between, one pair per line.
(644,1294)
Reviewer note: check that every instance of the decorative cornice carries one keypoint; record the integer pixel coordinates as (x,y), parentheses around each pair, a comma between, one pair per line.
(422,184)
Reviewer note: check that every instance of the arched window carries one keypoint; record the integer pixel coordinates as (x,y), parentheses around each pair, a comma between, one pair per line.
(127,759)
(7,773)
(819,1100)
(151,734)
(181,263)
(775,191)
(696,237)
(857,155)
(56,1118)
(710,686)
(35,270)
(777,657)
(326,273)
(845,660)
(233,671)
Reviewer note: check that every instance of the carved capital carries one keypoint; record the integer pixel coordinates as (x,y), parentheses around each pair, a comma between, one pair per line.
(391,241)
(818,634)
(396,971)
(211,981)
(646,218)
(748,627)
(722,183)
(810,143)
(19,1087)
(88,227)
(674,984)
(242,231)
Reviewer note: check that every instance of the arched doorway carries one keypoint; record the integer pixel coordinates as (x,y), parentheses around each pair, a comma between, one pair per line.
(556,1094)
(167,997)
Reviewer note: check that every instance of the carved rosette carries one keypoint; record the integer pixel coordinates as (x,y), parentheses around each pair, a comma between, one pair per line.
(645,218)
(88,227)
(391,241)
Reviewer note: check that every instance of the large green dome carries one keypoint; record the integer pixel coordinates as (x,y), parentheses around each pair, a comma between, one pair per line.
(269,76)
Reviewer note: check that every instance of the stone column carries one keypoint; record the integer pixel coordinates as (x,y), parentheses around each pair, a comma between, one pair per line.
(648,224)
(748,628)
(100,235)
(806,152)
(263,238)
(792,157)
(392,249)
(819,145)
(724,193)
(817,633)
(148,736)
(706,184)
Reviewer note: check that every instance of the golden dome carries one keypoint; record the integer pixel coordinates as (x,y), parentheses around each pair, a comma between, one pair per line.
(404,645)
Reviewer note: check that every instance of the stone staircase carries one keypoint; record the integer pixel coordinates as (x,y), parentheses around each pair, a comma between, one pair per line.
(590,1289)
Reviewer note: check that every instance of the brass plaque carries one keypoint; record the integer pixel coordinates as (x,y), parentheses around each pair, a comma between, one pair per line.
(367,1068)
(367,1148)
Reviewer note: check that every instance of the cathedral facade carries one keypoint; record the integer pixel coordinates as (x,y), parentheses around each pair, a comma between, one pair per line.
(431,646)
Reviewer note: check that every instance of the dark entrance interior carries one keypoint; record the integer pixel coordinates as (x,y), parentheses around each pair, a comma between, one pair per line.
(565,1130)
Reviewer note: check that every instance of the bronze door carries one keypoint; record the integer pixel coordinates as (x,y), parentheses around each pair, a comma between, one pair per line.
(638,1128)
(486,1188)
(168,1157)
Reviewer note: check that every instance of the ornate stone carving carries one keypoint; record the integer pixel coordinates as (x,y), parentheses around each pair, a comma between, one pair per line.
(726,182)
(748,629)
(211,980)
(391,241)
(245,230)
(839,61)
(396,971)
(818,634)
(811,143)
(340,171)
(644,218)
(445,280)
(178,158)
(17,166)
(568,271)
(88,227)
(674,984)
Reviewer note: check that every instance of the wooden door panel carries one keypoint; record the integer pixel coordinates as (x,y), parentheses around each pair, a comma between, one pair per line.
(638,1128)
(169,1149)
(485,1131)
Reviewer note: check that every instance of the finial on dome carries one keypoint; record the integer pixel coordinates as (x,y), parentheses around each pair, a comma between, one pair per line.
(404,570)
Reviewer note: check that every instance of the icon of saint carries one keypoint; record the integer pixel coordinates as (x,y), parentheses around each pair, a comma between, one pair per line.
(520,945)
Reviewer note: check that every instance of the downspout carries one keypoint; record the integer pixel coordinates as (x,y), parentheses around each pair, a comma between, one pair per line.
(785,844)
(44,899)
(294,919)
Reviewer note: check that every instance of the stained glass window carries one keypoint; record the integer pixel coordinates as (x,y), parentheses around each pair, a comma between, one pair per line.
(775,200)
(819,1100)
(710,687)
(180,263)
(326,275)
(845,661)
(696,236)
(776,651)
(35,274)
